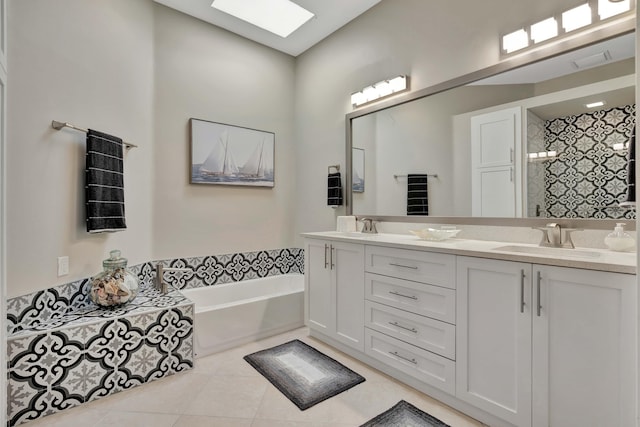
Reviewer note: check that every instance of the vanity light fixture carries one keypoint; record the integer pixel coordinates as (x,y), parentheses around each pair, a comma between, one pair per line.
(542,155)
(608,8)
(595,104)
(281,17)
(582,17)
(380,90)
(544,30)
(515,41)
(577,17)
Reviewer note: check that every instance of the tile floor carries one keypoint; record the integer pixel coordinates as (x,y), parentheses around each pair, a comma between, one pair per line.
(225,391)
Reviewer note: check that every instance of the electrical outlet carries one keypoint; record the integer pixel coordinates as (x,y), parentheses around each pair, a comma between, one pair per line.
(63,265)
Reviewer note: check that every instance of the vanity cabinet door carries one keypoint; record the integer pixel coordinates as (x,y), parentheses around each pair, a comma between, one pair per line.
(493,337)
(348,273)
(583,348)
(318,286)
(334,290)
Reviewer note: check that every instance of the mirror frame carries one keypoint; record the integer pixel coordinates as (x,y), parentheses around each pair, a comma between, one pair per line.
(624,26)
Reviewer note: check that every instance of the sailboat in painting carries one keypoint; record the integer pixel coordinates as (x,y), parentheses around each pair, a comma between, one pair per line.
(255,165)
(358,182)
(220,161)
(231,155)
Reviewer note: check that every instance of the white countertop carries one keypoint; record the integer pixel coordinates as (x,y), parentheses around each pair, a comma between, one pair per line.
(586,258)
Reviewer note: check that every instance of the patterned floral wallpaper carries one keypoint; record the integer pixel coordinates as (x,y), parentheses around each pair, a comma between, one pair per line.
(588,177)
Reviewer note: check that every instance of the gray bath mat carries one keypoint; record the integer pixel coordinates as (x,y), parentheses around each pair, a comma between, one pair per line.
(404,414)
(303,374)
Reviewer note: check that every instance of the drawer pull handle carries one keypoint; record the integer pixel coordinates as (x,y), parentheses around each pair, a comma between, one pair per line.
(414,330)
(413,297)
(395,353)
(413,267)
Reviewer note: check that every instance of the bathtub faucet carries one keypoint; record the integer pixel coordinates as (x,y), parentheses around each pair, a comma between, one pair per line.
(160,284)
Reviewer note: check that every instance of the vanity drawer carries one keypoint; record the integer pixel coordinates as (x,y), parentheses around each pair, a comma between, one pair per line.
(429,334)
(422,365)
(426,267)
(426,300)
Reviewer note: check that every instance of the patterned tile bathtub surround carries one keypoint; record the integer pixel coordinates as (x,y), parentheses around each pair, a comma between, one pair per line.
(68,303)
(63,350)
(218,269)
(62,368)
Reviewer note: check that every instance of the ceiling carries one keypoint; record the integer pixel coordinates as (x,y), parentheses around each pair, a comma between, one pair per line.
(330,15)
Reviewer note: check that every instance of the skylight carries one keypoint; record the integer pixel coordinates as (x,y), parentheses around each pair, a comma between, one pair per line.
(281,17)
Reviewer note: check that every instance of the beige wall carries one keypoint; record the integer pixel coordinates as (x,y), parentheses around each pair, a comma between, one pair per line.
(432,41)
(208,73)
(138,70)
(90,64)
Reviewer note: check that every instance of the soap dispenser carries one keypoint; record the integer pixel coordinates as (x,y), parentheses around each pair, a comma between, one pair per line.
(618,240)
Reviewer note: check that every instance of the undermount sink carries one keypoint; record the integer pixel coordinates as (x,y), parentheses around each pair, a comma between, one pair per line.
(556,252)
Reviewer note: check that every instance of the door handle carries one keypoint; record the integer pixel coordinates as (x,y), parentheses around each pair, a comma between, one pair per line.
(332,252)
(538,280)
(522,304)
(326,262)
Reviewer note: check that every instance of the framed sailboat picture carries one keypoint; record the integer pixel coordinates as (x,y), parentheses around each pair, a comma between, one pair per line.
(357,170)
(231,155)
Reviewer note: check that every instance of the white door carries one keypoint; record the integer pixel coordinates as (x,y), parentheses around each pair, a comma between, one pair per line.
(584,348)
(318,286)
(348,269)
(493,337)
(495,192)
(496,173)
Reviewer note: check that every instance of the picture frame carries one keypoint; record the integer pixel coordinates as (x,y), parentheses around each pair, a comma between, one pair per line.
(223,154)
(357,167)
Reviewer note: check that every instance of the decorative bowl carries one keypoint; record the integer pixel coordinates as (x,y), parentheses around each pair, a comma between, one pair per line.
(435,234)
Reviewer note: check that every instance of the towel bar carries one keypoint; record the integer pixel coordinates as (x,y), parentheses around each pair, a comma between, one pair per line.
(336,167)
(404,176)
(59,125)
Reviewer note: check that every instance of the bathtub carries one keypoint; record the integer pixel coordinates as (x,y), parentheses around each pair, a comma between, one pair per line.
(232,314)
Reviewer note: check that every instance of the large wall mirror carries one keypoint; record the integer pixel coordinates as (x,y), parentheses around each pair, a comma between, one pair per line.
(520,144)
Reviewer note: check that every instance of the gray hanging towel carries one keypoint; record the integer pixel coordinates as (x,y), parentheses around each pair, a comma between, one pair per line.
(417,195)
(104,184)
(334,189)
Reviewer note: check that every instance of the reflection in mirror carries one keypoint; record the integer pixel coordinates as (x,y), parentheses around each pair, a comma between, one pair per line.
(518,144)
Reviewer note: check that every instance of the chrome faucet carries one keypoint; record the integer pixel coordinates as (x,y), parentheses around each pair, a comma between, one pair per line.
(159,282)
(368,226)
(552,236)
